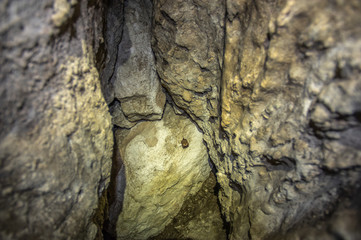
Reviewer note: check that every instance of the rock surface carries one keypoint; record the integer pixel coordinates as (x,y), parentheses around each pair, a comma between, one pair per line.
(273,87)
(135,81)
(188,45)
(160,173)
(199,218)
(55,129)
(286,146)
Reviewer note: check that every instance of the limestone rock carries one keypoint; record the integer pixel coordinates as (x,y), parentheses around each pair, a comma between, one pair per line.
(55,130)
(188,45)
(281,103)
(136,83)
(287,145)
(114,21)
(160,173)
(119,119)
(199,217)
(273,86)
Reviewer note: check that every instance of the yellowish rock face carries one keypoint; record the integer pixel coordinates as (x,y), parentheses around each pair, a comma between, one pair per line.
(287,103)
(160,172)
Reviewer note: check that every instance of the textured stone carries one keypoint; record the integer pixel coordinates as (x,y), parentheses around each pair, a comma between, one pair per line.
(160,173)
(188,45)
(273,86)
(113,32)
(55,130)
(286,147)
(136,83)
(199,217)
(118,117)
(282,98)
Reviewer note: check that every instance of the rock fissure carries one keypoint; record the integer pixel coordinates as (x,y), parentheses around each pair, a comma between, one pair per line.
(159,119)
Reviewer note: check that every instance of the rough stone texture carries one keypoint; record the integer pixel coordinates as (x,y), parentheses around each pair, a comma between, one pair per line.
(274,87)
(199,217)
(118,117)
(55,130)
(343,223)
(287,149)
(159,172)
(188,45)
(113,32)
(135,81)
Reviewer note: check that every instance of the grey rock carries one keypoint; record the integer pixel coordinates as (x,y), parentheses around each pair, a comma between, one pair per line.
(118,117)
(136,83)
(114,21)
(55,129)
(188,45)
(272,86)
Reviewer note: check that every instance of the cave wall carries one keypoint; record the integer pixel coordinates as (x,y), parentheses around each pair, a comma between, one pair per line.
(160,173)
(269,89)
(56,135)
(282,121)
(157,173)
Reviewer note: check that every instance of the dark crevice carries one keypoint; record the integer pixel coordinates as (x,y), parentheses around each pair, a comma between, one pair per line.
(168,18)
(284,163)
(115,194)
(110,201)
(113,34)
(226,225)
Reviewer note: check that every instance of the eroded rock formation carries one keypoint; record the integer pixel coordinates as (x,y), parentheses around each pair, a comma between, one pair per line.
(270,90)
(161,162)
(56,135)
(287,146)
(135,81)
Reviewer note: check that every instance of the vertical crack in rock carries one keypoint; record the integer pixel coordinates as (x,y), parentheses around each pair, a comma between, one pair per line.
(114,30)
(268,90)
(149,162)
(115,195)
(286,67)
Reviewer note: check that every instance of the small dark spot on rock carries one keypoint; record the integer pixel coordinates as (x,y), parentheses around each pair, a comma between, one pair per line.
(184,143)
